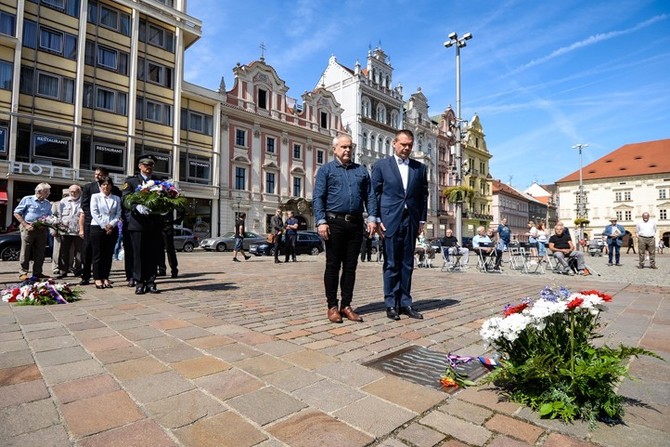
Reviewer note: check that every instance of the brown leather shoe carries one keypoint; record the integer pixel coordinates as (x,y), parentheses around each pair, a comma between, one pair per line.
(334,315)
(349,313)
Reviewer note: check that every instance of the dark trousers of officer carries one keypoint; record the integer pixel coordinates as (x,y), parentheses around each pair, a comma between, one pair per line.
(128,257)
(146,250)
(342,250)
(168,248)
(289,246)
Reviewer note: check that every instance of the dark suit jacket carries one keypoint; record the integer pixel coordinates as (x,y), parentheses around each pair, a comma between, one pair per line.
(393,199)
(134,220)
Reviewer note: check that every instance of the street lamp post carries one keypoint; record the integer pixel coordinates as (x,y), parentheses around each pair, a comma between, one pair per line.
(582,213)
(459,43)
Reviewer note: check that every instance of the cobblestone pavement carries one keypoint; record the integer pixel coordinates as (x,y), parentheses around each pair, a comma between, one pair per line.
(241,354)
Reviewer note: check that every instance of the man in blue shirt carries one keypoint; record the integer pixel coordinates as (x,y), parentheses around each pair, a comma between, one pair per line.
(614,234)
(33,238)
(504,232)
(342,193)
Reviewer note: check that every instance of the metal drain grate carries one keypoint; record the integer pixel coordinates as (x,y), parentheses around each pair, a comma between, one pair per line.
(422,366)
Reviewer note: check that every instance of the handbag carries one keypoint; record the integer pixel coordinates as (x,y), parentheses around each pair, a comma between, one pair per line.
(271,238)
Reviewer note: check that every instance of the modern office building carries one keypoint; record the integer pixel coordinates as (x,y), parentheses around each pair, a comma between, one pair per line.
(97,83)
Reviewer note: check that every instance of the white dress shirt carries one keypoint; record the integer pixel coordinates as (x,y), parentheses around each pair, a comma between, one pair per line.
(646,229)
(403,166)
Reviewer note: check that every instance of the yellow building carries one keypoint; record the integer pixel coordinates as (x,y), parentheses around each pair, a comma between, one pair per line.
(97,83)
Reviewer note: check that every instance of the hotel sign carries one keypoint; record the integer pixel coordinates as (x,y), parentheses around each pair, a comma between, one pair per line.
(38,170)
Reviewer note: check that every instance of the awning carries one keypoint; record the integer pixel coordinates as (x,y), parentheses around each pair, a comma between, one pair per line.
(3,197)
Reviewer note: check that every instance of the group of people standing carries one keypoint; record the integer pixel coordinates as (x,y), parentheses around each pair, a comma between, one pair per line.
(85,225)
(395,198)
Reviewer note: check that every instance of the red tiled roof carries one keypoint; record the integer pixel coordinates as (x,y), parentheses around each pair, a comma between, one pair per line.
(633,159)
(498,187)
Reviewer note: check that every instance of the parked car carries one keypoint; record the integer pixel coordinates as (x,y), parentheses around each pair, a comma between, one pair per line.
(10,246)
(308,242)
(227,241)
(185,240)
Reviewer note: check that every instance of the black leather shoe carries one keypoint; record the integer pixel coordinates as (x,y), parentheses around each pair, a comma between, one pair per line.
(175,273)
(410,312)
(140,290)
(277,261)
(392,313)
(84,282)
(161,273)
(151,288)
(131,283)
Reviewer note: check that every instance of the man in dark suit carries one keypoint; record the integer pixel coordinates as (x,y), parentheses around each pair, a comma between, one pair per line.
(85,221)
(401,187)
(145,230)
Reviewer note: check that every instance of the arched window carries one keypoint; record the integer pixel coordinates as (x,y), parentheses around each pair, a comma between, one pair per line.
(380,146)
(365,140)
(394,119)
(381,113)
(366,107)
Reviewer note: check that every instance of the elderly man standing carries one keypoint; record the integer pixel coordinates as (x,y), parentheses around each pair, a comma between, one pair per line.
(69,210)
(614,234)
(33,238)
(646,240)
(342,193)
(561,245)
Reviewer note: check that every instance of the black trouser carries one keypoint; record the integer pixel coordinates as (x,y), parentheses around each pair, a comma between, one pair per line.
(168,247)
(146,250)
(277,245)
(366,249)
(102,248)
(342,250)
(86,252)
(289,246)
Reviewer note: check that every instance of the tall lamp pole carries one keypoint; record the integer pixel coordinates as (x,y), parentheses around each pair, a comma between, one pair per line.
(459,43)
(581,197)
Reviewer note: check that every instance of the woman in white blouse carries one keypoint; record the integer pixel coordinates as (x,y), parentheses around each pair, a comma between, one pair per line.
(105,213)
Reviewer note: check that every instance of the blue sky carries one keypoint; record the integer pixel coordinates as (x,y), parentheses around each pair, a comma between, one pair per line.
(542,75)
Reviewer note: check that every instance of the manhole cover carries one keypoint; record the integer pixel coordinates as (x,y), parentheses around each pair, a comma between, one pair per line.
(423,366)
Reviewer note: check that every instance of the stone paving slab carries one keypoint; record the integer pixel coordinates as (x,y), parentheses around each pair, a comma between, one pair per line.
(211,361)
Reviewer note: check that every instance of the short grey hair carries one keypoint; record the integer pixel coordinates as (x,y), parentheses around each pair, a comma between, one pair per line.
(337,138)
(42,187)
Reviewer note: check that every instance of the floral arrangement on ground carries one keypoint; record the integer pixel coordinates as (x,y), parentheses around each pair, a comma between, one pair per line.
(548,360)
(34,291)
(159,196)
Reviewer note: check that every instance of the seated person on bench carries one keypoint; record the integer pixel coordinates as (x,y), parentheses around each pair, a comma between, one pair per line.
(562,247)
(451,245)
(482,244)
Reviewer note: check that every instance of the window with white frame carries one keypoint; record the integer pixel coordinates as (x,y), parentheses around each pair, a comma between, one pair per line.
(297,186)
(262,100)
(195,168)
(663,214)
(365,140)
(240,137)
(394,119)
(662,193)
(381,113)
(617,196)
(47,85)
(105,99)
(270,182)
(619,215)
(51,40)
(155,73)
(106,58)
(319,157)
(240,178)
(628,215)
(156,36)
(323,122)
(109,17)
(626,196)
(366,107)
(154,111)
(270,144)
(297,151)
(196,122)
(7,23)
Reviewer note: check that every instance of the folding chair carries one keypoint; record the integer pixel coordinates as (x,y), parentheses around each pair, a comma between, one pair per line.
(486,261)
(451,261)
(533,264)
(517,257)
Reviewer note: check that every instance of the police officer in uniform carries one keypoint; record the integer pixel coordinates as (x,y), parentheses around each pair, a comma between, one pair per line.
(145,229)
